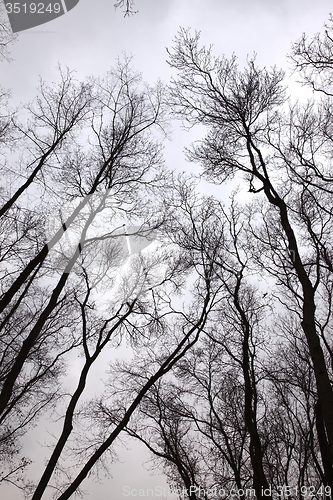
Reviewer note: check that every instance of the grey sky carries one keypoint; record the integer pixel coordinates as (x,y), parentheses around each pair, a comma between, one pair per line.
(91,36)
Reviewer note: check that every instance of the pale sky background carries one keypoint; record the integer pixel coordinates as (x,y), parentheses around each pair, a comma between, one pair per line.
(91,36)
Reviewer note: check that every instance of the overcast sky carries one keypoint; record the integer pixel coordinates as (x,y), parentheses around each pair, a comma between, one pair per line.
(91,36)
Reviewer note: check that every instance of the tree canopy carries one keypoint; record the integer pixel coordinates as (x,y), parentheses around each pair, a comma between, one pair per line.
(216,316)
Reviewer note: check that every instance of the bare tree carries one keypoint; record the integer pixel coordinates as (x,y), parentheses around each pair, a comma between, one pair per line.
(155,357)
(76,294)
(60,110)
(313,59)
(41,310)
(7,36)
(129,6)
(97,240)
(217,391)
(241,110)
(290,426)
(241,410)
